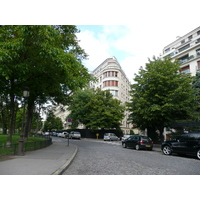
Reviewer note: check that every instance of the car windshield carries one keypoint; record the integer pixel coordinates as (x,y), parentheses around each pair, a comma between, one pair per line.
(146,139)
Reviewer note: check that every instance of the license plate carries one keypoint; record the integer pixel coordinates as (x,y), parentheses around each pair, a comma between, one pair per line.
(148,145)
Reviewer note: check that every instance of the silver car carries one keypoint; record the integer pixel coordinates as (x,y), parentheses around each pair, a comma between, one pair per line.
(75,135)
(110,137)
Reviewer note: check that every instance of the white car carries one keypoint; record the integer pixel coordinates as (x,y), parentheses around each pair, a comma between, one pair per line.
(110,137)
(59,134)
(63,134)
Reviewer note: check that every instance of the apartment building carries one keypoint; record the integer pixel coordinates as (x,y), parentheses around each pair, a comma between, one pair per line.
(111,77)
(187,50)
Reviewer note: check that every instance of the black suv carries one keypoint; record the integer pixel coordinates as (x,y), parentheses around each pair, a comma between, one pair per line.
(188,143)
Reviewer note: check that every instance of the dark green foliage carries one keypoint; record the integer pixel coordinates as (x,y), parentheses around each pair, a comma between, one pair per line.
(96,109)
(52,122)
(47,59)
(161,95)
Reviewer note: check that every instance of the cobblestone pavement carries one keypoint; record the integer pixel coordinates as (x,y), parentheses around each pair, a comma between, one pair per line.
(109,158)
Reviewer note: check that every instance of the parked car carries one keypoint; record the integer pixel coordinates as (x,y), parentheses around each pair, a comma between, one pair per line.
(124,137)
(75,135)
(53,133)
(63,134)
(138,142)
(59,134)
(110,137)
(188,143)
(47,133)
(40,133)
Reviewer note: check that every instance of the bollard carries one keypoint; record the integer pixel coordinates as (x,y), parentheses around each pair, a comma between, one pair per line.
(21,145)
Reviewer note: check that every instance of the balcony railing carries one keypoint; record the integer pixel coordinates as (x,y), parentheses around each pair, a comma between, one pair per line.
(190,58)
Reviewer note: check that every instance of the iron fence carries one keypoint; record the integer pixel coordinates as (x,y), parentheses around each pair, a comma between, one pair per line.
(27,146)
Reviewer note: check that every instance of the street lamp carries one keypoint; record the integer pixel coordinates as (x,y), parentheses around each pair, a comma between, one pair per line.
(21,140)
(26,92)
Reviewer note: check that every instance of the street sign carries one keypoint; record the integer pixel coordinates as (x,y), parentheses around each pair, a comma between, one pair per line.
(69,120)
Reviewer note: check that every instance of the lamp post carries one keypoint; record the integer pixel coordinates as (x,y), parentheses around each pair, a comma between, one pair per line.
(21,140)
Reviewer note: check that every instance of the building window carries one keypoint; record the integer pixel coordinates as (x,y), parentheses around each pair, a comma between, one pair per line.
(110,83)
(110,74)
(190,37)
(198,40)
(198,52)
(198,32)
(114,92)
(198,65)
(185,69)
(183,41)
(167,50)
(184,59)
(185,47)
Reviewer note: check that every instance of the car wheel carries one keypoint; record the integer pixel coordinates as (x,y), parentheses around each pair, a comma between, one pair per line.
(137,147)
(124,145)
(167,150)
(198,153)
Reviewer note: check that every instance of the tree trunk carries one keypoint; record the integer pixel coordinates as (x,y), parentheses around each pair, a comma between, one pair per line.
(38,118)
(3,125)
(151,132)
(29,116)
(161,130)
(11,120)
(3,116)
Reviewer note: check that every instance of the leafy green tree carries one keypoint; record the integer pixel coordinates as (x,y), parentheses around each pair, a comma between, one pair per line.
(47,59)
(160,95)
(52,122)
(96,109)
(36,122)
(196,87)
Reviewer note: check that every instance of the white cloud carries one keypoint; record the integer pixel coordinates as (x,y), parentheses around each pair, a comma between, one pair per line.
(133,44)
(96,48)
(126,40)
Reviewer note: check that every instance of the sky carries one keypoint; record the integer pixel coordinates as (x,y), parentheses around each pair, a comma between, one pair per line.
(132,45)
(130,30)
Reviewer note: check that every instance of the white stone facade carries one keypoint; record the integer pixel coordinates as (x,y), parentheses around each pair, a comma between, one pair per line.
(187,50)
(110,76)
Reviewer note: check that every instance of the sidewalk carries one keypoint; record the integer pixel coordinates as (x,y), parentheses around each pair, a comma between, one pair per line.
(50,160)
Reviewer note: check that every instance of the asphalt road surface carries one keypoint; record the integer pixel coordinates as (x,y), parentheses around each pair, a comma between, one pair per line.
(97,157)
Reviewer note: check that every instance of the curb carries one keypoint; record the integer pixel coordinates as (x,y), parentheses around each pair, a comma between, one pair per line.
(67,164)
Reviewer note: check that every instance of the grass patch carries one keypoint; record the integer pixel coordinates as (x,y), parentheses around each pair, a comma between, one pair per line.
(30,144)
(15,139)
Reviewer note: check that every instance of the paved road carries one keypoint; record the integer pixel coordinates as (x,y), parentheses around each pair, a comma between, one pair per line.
(109,158)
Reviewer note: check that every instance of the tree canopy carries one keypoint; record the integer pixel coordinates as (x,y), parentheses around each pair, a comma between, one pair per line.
(96,109)
(52,122)
(47,59)
(160,95)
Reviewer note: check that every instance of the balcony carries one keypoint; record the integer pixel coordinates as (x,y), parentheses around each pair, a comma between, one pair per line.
(176,50)
(198,68)
(190,58)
